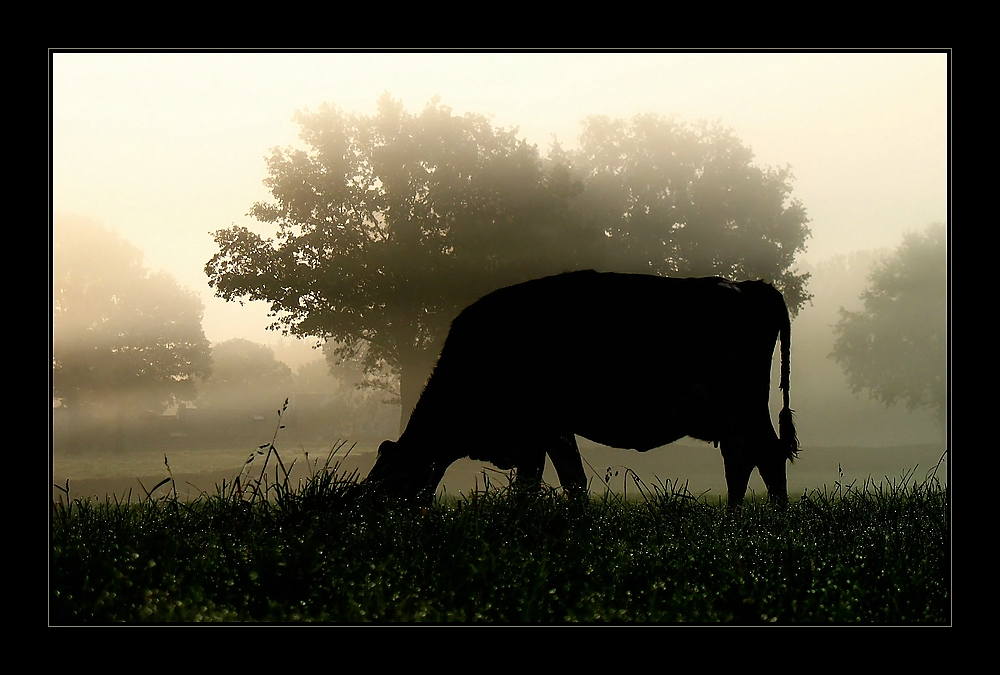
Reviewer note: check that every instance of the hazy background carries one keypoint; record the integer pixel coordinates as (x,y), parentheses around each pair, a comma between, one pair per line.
(166,148)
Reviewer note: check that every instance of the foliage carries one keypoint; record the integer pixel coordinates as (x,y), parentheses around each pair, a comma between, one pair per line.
(677,200)
(331,551)
(326,404)
(317,376)
(388,225)
(120,332)
(896,347)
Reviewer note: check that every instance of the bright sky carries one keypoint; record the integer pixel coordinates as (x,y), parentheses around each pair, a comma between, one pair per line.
(167,148)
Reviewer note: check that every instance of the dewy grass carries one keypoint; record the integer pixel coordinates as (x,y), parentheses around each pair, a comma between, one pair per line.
(327,549)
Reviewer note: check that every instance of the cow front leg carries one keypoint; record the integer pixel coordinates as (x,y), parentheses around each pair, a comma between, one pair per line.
(565,456)
(529,469)
(738,470)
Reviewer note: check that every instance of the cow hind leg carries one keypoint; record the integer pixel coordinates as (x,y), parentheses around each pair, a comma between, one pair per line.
(772,468)
(739,466)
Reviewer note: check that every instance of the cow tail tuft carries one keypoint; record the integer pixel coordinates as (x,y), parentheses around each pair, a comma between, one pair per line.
(786,426)
(786,431)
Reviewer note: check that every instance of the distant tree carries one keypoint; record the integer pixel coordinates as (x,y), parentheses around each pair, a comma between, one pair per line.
(342,383)
(896,347)
(121,335)
(245,373)
(331,375)
(315,377)
(390,224)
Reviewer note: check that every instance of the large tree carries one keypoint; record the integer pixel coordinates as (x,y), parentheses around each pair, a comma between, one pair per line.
(389,224)
(123,338)
(896,347)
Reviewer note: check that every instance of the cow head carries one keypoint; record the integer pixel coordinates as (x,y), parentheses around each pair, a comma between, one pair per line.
(400,472)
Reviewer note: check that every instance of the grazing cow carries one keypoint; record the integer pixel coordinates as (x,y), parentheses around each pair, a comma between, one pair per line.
(626,360)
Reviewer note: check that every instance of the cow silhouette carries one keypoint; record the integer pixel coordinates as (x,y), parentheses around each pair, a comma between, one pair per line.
(626,360)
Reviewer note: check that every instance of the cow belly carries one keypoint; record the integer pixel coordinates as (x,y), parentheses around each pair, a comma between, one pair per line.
(632,441)
(639,426)
(656,418)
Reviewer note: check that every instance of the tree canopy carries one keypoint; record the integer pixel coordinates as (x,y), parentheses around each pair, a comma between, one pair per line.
(896,347)
(679,200)
(388,225)
(120,333)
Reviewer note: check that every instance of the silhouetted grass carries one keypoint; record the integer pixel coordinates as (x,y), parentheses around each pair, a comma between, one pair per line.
(328,550)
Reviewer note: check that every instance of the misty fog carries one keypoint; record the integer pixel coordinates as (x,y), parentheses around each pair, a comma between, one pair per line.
(193,211)
(215,423)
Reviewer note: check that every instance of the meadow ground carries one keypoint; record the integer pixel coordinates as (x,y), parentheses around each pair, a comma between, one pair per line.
(324,549)
(700,465)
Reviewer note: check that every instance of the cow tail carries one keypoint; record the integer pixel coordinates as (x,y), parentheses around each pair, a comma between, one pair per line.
(786,426)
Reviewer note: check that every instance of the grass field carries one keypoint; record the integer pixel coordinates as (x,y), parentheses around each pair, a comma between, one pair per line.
(323,549)
(97,475)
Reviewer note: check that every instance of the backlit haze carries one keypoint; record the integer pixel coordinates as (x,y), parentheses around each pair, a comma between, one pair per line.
(166,148)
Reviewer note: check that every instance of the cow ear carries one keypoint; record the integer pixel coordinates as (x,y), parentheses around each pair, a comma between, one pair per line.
(386,448)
